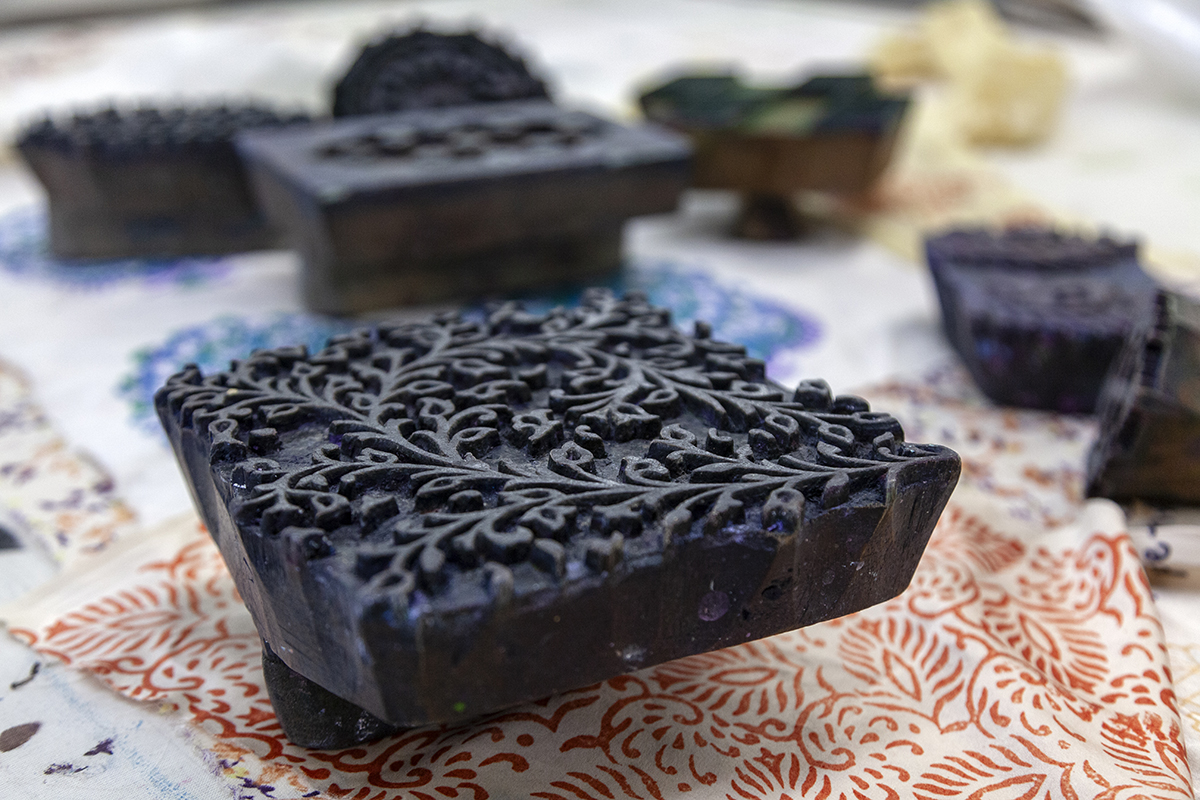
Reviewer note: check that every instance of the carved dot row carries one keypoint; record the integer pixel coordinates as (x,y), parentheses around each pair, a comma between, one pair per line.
(463,141)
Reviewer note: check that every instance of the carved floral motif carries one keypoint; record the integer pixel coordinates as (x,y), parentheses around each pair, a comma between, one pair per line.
(568,440)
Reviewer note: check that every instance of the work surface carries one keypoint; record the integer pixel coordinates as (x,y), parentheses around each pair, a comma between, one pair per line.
(1029,652)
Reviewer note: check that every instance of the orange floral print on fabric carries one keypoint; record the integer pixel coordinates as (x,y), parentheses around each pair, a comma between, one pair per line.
(1005,666)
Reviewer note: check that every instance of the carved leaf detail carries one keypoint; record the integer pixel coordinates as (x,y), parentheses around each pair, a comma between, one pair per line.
(582,436)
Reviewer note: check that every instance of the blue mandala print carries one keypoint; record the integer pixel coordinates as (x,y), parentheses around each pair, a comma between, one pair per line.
(767,329)
(24,251)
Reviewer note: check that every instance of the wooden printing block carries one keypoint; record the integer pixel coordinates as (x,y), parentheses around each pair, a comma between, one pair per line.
(831,133)
(1149,443)
(1036,315)
(424,69)
(149,182)
(429,205)
(433,521)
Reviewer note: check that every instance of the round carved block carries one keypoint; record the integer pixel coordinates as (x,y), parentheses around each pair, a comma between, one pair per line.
(423,69)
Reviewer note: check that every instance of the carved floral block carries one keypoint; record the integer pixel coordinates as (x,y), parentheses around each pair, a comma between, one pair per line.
(1038,316)
(437,520)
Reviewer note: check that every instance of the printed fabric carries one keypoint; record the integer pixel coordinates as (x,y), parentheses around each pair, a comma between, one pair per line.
(1025,660)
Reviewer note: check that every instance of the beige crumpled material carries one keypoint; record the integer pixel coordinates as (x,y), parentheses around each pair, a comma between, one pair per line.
(998,91)
(67,500)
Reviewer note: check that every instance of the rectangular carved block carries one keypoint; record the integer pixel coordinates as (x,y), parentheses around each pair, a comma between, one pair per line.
(1038,316)
(1149,443)
(429,205)
(434,521)
(149,182)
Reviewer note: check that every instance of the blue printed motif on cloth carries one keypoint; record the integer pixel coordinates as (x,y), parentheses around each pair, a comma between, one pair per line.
(212,345)
(767,329)
(24,251)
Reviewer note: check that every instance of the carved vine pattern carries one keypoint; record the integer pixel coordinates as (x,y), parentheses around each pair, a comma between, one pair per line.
(560,440)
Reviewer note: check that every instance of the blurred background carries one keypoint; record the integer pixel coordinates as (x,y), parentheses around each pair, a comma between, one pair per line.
(1038,12)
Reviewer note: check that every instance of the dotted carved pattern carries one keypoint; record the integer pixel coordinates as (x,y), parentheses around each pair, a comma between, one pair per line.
(1024,661)
(477,137)
(424,69)
(566,441)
